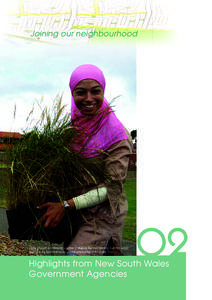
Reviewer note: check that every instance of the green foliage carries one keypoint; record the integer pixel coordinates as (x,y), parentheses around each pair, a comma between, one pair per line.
(42,163)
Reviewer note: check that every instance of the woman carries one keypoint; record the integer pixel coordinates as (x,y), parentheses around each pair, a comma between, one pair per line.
(97,213)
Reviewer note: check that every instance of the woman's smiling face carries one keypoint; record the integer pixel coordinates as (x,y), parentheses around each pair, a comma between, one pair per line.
(88,96)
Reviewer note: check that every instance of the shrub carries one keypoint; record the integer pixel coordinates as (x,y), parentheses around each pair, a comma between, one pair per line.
(42,163)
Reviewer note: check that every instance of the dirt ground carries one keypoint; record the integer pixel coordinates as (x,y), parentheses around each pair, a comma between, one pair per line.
(9,247)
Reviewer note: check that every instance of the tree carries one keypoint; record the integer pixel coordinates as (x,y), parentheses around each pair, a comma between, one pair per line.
(133,134)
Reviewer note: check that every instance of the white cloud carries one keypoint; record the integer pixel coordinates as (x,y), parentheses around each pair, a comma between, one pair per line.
(29,72)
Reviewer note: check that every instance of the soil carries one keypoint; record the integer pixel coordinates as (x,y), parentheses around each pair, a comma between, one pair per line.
(12,247)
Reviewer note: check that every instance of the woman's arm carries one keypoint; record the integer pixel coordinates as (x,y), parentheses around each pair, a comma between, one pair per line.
(117,166)
(56,211)
(91,198)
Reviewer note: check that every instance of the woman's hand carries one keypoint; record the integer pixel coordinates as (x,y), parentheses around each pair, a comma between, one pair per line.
(54,214)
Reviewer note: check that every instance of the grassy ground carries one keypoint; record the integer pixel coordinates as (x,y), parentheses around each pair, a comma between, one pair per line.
(2,197)
(3,166)
(129,232)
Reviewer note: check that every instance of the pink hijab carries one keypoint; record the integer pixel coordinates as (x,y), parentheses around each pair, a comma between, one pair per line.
(99,132)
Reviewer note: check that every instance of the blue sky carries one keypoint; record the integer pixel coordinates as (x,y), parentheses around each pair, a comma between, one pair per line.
(29,71)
